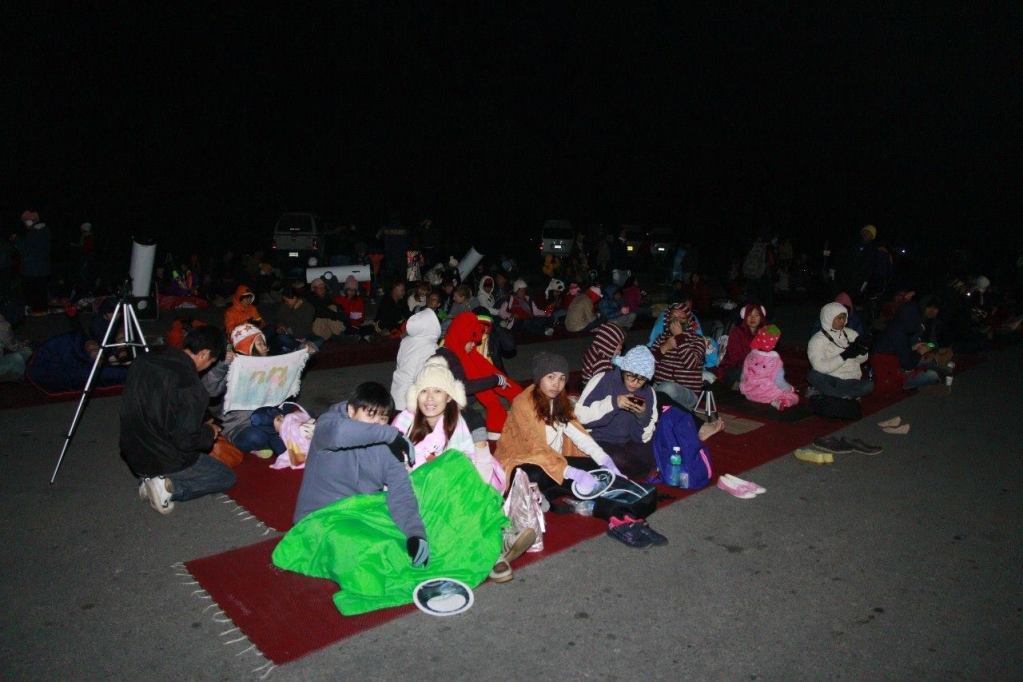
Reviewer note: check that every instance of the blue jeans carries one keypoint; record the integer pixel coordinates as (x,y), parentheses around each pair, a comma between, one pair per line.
(286,343)
(680,394)
(839,388)
(925,378)
(205,477)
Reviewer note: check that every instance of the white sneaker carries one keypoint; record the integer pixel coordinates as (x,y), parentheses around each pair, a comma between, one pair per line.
(159,496)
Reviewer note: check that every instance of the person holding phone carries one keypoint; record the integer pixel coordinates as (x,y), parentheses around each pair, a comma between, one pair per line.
(619,409)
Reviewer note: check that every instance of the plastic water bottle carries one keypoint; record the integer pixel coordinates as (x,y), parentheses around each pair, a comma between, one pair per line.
(675,468)
(583,507)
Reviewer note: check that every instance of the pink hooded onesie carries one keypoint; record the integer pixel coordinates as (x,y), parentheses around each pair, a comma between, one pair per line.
(763,373)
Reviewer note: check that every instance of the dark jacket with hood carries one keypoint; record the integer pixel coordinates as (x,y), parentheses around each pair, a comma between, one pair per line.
(899,337)
(163,410)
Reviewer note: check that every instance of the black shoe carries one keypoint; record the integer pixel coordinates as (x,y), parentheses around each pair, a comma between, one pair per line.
(833,445)
(857,445)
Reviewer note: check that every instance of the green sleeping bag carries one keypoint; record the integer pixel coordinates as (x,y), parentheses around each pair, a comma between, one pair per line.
(355,543)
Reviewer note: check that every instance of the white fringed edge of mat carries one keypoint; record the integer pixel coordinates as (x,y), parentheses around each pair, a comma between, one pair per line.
(232,634)
(244,514)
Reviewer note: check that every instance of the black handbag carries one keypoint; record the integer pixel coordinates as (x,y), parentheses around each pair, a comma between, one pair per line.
(626,498)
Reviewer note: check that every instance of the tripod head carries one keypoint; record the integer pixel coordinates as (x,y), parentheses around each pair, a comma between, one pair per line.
(124,292)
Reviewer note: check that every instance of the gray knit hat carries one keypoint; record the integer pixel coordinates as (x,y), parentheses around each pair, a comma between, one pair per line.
(545,363)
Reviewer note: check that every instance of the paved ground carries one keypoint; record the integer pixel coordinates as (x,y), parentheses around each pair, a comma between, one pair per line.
(901,566)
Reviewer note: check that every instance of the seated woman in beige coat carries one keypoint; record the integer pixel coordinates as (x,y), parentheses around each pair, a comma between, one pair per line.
(543,436)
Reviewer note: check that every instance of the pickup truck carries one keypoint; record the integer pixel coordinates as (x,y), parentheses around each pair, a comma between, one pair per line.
(297,238)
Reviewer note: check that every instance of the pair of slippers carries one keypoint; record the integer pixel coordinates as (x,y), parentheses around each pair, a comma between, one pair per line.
(737,487)
(894,426)
(635,533)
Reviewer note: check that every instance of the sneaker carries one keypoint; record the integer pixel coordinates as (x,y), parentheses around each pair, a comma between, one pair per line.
(159,496)
(814,456)
(857,445)
(628,533)
(835,446)
(656,539)
(143,493)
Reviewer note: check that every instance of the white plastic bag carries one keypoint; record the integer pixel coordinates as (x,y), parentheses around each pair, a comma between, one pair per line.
(523,509)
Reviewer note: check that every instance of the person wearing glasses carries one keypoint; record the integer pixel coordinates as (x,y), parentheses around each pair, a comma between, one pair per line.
(619,410)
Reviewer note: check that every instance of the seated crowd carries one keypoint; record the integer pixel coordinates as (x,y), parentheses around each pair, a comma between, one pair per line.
(451,399)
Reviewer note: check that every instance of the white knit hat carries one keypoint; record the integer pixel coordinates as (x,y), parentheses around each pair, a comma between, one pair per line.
(435,374)
(519,284)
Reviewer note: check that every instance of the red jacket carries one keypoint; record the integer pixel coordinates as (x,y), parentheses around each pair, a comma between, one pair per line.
(354,309)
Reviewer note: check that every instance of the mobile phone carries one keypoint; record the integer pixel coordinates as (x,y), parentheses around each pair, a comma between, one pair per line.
(635,399)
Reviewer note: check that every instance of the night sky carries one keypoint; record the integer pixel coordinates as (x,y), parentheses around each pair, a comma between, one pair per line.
(151,119)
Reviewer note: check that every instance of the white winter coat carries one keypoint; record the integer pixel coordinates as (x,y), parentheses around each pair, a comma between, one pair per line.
(825,353)
(423,330)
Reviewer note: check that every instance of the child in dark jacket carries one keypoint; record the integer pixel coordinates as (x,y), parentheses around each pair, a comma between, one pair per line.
(355,451)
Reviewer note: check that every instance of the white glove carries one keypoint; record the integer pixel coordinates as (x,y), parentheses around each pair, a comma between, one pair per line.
(612,467)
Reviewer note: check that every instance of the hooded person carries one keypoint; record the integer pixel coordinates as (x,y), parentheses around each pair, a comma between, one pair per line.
(837,356)
(897,358)
(484,384)
(498,343)
(679,350)
(247,339)
(241,310)
(420,343)
(763,372)
(752,317)
(485,294)
(608,340)
(619,409)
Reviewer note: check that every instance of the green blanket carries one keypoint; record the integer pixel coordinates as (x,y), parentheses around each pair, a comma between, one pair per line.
(355,543)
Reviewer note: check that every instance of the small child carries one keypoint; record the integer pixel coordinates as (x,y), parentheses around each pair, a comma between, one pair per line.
(460,300)
(354,451)
(262,436)
(763,373)
(296,430)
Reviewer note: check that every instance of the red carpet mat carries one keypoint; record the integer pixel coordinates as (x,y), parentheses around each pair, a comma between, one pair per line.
(273,607)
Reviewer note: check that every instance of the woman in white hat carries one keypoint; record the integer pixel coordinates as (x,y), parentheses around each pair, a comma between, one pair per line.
(433,422)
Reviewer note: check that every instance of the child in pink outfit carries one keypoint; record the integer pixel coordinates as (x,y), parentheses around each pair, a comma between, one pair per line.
(763,373)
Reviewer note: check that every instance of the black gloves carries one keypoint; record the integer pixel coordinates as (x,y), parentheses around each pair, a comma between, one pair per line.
(402,449)
(418,550)
(854,350)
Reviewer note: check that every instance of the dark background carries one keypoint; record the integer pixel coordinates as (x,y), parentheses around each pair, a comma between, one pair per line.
(201,127)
